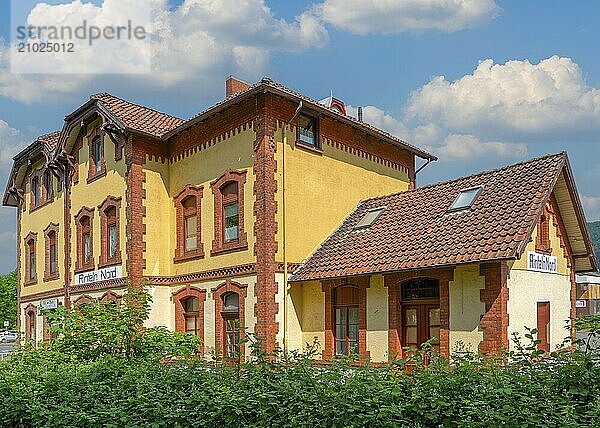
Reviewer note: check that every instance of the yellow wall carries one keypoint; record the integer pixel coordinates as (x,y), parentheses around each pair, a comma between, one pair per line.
(36,222)
(306,315)
(377,319)
(466,308)
(164,182)
(322,190)
(91,195)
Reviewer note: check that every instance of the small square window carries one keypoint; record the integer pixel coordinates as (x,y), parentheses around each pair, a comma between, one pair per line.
(465,199)
(369,218)
(307,131)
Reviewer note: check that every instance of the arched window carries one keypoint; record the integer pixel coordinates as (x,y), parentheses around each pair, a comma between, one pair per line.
(35,192)
(51,271)
(30,323)
(189,239)
(85,239)
(31,259)
(97,154)
(110,239)
(229,212)
(97,161)
(191,307)
(48,185)
(231,218)
(346,305)
(231,327)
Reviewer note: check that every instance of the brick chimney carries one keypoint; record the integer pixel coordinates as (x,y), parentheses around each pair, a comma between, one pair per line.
(233,86)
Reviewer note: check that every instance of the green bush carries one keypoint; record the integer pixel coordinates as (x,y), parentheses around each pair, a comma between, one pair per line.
(123,380)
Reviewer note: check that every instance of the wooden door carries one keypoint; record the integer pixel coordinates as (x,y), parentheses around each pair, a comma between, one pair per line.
(421,322)
(543,325)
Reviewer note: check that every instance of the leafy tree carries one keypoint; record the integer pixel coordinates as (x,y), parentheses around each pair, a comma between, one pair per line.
(595,233)
(8,300)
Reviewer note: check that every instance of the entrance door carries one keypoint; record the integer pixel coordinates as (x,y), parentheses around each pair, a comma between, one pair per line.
(543,325)
(421,323)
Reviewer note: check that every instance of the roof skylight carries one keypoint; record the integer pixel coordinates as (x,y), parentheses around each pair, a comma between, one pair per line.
(465,199)
(369,218)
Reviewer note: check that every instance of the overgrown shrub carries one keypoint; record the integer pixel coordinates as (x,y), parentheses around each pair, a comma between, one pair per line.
(59,388)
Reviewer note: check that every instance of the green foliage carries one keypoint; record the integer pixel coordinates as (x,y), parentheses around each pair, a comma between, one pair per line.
(101,329)
(8,300)
(595,232)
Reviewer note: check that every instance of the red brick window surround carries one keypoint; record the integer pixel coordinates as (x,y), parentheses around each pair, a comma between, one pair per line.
(48,183)
(30,259)
(346,318)
(110,232)
(85,239)
(42,188)
(542,243)
(228,191)
(189,311)
(30,322)
(111,296)
(189,224)
(51,245)
(36,192)
(229,300)
(97,161)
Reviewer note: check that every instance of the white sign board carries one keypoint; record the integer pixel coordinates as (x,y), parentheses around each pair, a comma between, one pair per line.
(6,324)
(49,304)
(581,303)
(105,274)
(541,262)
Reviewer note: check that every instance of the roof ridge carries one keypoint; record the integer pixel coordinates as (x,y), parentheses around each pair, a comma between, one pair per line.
(479,174)
(99,94)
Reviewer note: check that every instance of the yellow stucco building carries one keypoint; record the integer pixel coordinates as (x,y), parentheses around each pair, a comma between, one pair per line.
(214,213)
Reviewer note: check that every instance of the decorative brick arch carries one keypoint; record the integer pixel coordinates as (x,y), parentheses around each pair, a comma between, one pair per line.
(31,243)
(394,282)
(82,300)
(328,287)
(111,296)
(218,293)
(178,298)
(105,259)
(30,322)
(81,266)
(219,245)
(181,214)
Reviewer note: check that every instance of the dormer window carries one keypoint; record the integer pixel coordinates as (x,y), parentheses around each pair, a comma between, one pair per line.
(97,160)
(308,134)
(35,192)
(465,199)
(98,153)
(369,218)
(48,185)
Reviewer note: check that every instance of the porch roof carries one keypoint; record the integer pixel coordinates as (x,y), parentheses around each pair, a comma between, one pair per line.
(417,230)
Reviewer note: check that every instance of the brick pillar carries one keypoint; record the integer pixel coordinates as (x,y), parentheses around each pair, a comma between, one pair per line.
(394,317)
(494,322)
(265,227)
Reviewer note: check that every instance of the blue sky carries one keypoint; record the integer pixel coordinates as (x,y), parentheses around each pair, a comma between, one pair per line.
(480,83)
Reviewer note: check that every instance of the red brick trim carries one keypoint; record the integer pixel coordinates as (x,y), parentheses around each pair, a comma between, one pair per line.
(494,322)
(105,260)
(328,288)
(226,272)
(19,263)
(181,214)
(394,282)
(217,294)
(44,198)
(31,236)
(101,285)
(219,245)
(97,132)
(265,225)
(178,299)
(82,300)
(111,296)
(81,266)
(542,242)
(43,295)
(52,228)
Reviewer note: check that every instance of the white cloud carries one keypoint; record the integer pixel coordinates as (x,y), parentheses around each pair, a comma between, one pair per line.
(533,101)
(592,207)
(466,147)
(191,46)
(397,16)
(11,142)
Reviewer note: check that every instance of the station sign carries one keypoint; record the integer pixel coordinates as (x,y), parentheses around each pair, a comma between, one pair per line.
(105,274)
(541,262)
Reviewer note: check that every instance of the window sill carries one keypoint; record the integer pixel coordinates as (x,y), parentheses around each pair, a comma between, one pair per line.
(51,277)
(91,178)
(109,263)
(309,148)
(30,282)
(187,257)
(228,247)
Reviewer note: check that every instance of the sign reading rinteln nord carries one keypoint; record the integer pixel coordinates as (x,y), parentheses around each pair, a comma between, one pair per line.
(105,274)
(541,262)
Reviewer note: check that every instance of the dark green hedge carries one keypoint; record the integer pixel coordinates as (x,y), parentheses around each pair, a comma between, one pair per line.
(46,389)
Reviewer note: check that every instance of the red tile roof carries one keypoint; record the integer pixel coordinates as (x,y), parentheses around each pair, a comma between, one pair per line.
(137,117)
(416,231)
(51,140)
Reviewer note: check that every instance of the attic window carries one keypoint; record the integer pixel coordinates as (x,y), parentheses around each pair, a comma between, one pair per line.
(369,218)
(465,199)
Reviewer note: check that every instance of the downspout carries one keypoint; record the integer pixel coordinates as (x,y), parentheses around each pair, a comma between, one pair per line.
(284,235)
